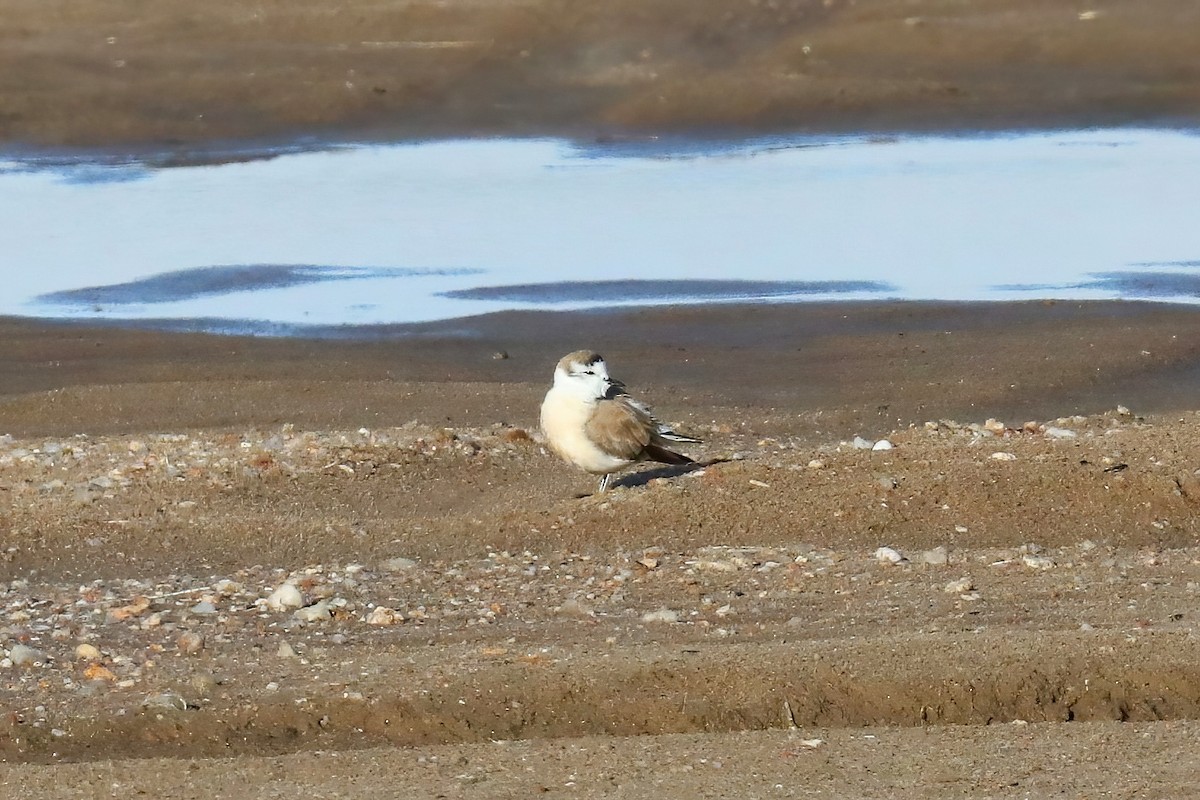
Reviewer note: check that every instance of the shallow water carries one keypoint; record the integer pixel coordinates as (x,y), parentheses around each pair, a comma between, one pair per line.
(414,232)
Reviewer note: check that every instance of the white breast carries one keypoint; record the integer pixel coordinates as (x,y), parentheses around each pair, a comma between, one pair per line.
(563,420)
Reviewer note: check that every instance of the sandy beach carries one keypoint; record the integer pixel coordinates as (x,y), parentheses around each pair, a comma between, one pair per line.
(256,567)
(467,620)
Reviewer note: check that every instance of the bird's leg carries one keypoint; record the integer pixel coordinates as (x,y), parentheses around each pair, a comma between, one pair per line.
(604,483)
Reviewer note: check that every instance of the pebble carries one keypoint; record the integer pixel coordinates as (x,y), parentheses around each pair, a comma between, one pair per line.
(574,608)
(993,425)
(87,652)
(708,565)
(888,555)
(1038,562)
(203,607)
(314,613)
(284,597)
(22,655)
(960,586)
(662,615)
(1003,457)
(190,643)
(99,672)
(938,556)
(285,651)
(1059,433)
(399,564)
(816,463)
(166,700)
(382,615)
(862,444)
(882,444)
(139,605)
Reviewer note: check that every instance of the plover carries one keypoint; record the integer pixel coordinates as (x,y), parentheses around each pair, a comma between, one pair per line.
(592,422)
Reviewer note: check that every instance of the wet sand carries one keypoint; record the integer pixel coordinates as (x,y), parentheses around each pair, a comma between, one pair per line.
(174,75)
(857,367)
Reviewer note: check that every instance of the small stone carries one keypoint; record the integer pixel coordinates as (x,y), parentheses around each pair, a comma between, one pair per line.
(573,608)
(285,650)
(166,701)
(315,613)
(708,565)
(882,444)
(500,355)
(1123,411)
(1059,433)
(888,555)
(938,556)
(816,463)
(960,586)
(203,607)
(203,684)
(1003,457)
(139,605)
(1087,626)
(861,443)
(993,425)
(25,656)
(284,597)
(99,672)
(662,615)
(87,652)
(190,643)
(399,564)
(382,615)
(1038,562)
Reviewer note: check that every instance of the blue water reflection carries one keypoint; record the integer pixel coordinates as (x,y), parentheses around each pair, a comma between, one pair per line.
(384,234)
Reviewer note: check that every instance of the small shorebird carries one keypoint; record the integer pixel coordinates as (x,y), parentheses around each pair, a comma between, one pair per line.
(592,422)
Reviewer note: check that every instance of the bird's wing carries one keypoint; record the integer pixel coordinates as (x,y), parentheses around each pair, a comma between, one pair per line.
(621,427)
(616,392)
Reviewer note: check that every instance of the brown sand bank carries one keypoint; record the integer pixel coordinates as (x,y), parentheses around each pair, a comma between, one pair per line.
(804,370)
(108,72)
(484,632)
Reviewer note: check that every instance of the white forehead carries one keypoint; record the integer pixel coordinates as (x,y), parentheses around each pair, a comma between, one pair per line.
(582,368)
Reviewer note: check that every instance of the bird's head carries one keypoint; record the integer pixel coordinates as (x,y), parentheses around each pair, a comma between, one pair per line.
(585,375)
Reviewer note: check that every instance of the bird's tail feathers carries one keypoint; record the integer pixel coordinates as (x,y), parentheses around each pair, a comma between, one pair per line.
(658,453)
(676,436)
